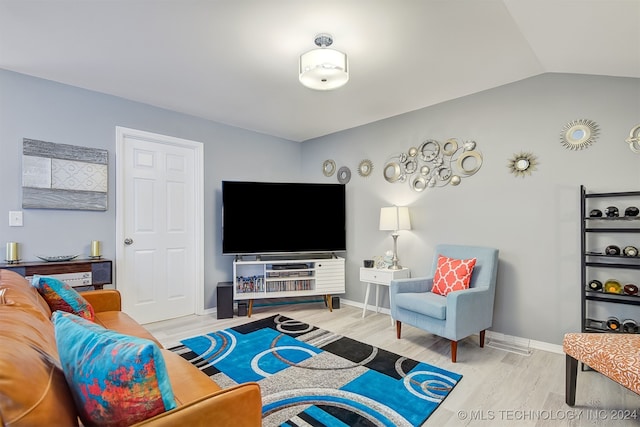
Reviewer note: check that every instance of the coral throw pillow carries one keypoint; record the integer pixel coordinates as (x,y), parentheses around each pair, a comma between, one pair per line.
(452,275)
(116,379)
(61,296)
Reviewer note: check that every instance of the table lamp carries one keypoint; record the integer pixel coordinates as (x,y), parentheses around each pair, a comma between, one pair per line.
(395,218)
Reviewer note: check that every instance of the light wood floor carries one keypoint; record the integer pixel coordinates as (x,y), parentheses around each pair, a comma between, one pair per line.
(497,388)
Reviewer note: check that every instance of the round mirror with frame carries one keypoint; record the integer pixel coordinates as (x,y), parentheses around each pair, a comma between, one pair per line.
(579,134)
(344,175)
(634,139)
(365,167)
(522,164)
(328,167)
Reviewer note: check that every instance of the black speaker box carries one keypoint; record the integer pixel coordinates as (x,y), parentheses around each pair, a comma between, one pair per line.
(224,294)
(242,309)
(101,273)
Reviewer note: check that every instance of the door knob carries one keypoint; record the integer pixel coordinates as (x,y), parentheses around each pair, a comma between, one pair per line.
(128,241)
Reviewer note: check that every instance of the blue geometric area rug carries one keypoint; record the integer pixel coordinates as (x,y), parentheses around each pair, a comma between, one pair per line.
(309,376)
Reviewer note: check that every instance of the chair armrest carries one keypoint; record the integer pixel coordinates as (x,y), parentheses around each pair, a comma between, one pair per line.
(474,305)
(413,284)
(238,406)
(103,300)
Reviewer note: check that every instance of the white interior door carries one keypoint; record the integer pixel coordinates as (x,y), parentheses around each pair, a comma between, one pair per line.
(159,251)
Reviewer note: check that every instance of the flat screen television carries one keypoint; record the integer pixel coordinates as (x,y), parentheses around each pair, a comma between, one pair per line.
(282,218)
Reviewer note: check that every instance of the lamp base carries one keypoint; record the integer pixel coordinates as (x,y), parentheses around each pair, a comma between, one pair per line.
(394,261)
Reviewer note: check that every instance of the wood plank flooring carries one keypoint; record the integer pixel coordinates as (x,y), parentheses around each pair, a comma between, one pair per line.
(498,388)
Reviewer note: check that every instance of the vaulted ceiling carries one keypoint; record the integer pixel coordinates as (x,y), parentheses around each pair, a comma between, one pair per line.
(236,61)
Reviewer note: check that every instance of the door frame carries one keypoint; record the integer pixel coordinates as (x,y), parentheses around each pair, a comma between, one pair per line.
(197,147)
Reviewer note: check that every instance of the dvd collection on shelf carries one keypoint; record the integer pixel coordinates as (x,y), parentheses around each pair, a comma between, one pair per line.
(248,284)
(289,285)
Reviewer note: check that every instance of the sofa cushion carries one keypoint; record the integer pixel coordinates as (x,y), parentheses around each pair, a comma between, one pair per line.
(61,296)
(187,382)
(452,275)
(426,303)
(115,379)
(32,384)
(121,322)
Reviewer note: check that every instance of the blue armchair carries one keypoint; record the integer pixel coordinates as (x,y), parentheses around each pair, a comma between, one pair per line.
(460,313)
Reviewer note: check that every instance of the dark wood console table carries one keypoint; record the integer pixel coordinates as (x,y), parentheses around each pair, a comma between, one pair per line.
(100,269)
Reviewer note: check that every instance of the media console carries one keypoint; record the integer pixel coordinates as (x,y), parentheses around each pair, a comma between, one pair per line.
(275,277)
(76,273)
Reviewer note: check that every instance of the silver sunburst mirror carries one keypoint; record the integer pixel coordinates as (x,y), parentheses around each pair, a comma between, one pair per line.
(579,134)
(522,164)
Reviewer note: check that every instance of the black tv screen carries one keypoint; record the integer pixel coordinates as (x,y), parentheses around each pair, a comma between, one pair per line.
(277,217)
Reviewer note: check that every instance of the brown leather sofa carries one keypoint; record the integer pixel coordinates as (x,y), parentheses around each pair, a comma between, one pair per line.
(33,390)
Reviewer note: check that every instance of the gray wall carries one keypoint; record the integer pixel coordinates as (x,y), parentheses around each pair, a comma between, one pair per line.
(48,111)
(534,221)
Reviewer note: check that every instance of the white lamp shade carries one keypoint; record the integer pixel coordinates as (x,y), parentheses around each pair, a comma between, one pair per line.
(323,69)
(395,218)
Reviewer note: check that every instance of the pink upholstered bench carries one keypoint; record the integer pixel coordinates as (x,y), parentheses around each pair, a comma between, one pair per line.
(615,355)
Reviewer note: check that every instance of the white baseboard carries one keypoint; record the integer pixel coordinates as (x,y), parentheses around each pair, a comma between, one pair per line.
(521,342)
(210,311)
(538,345)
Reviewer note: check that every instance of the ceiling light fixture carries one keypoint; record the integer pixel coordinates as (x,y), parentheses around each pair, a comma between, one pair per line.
(323,68)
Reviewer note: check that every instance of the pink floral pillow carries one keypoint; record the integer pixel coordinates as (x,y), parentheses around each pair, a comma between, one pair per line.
(452,275)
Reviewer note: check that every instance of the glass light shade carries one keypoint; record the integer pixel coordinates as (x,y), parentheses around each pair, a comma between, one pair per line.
(395,218)
(323,69)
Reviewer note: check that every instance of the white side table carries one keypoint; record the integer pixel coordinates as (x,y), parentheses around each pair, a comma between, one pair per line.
(378,277)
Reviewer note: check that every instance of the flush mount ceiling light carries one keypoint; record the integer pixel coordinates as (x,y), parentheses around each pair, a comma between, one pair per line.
(323,68)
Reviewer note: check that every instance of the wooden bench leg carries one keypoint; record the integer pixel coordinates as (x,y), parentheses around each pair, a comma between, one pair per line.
(571,376)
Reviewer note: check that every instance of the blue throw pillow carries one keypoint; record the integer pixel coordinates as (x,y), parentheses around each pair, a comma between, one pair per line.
(116,379)
(60,296)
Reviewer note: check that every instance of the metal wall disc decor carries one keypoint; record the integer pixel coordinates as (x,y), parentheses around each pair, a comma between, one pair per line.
(344,175)
(328,167)
(434,164)
(579,134)
(634,139)
(522,164)
(365,167)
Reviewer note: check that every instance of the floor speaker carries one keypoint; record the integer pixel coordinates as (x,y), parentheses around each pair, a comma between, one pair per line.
(224,293)
(242,309)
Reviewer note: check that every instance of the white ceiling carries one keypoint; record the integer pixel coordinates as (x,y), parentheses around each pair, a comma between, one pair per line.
(235,61)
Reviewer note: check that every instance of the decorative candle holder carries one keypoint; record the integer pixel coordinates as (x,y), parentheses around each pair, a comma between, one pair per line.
(12,253)
(95,250)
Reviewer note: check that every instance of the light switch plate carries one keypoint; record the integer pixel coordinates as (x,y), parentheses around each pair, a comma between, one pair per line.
(15,218)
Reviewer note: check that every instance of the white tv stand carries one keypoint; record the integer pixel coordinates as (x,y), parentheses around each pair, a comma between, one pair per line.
(282,277)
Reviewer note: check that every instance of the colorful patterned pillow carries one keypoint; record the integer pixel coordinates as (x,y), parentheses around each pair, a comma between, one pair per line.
(116,379)
(61,296)
(452,275)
